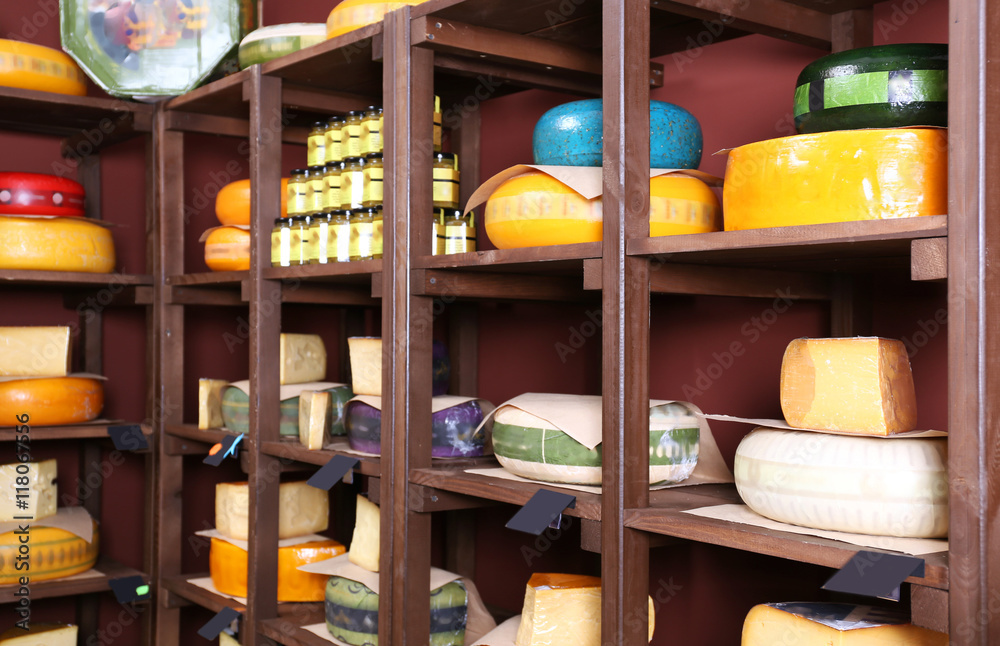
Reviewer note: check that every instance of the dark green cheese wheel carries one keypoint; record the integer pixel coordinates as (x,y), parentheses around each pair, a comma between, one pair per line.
(889,86)
(236,411)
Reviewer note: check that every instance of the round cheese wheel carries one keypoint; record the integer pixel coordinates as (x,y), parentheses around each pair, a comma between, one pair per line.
(453,430)
(531,447)
(840,176)
(232,204)
(572,134)
(227,566)
(888,86)
(55,244)
(535,209)
(33,67)
(864,485)
(38,194)
(53,401)
(236,411)
(55,553)
(354,14)
(228,249)
(268,43)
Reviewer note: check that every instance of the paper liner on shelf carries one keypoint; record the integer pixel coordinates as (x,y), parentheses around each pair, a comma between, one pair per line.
(205,583)
(244,545)
(502,635)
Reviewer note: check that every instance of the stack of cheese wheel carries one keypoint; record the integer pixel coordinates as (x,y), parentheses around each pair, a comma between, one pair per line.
(34,67)
(302,511)
(227,247)
(354,14)
(268,43)
(852,476)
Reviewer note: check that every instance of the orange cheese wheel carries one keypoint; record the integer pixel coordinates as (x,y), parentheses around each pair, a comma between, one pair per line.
(228,249)
(232,204)
(227,565)
(55,553)
(33,67)
(51,401)
(354,14)
(55,244)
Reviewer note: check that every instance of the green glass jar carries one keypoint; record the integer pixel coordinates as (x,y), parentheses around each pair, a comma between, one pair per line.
(352,184)
(316,190)
(371,131)
(373,186)
(446,181)
(319,236)
(316,144)
(338,245)
(281,243)
(298,187)
(362,230)
(333,132)
(299,240)
(350,135)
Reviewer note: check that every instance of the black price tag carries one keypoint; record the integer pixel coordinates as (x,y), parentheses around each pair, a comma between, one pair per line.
(218,623)
(128,438)
(875,574)
(130,588)
(332,472)
(539,512)
(223,449)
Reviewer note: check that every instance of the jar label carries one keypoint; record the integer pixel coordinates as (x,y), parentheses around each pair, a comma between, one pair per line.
(338,245)
(437,132)
(331,194)
(318,242)
(446,185)
(315,197)
(377,239)
(281,247)
(372,193)
(316,150)
(350,141)
(371,136)
(458,238)
(298,198)
(352,189)
(298,246)
(361,240)
(332,146)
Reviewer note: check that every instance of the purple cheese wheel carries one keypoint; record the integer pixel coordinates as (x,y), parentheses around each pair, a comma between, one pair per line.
(442,369)
(453,430)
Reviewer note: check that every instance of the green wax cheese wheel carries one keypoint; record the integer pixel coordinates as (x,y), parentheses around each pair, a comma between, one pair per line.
(352,613)
(530,447)
(268,43)
(236,411)
(888,86)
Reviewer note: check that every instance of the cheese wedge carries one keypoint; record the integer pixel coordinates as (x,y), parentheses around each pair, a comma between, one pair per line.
(314,416)
(365,542)
(40,635)
(225,639)
(366,365)
(833,624)
(210,403)
(36,489)
(301,509)
(859,385)
(303,359)
(35,351)
(564,610)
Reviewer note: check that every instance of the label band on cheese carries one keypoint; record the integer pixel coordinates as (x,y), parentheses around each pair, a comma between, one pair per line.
(898,87)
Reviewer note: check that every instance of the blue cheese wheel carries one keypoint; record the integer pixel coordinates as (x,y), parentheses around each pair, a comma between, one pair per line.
(236,411)
(888,86)
(268,43)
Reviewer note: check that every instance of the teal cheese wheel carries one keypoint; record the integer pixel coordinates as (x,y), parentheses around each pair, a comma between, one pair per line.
(268,43)
(888,86)
(352,613)
(531,447)
(236,411)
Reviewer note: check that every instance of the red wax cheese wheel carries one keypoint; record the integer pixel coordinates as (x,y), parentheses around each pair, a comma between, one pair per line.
(232,204)
(33,67)
(55,244)
(228,249)
(51,402)
(38,194)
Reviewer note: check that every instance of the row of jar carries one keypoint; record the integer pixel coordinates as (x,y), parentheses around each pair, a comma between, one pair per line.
(346,235)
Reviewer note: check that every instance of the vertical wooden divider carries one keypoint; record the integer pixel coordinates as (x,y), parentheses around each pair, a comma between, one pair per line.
(150,524)
(407,326)
(264,95)
(625,301)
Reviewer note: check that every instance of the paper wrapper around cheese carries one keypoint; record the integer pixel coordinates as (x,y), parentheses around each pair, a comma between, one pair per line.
(236,406)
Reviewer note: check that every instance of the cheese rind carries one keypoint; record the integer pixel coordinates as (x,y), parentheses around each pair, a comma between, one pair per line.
(210,403)
(365,542)
(228,249)
(859,385)
(35,483)
(366,365)
(833,624)
(55,553)
(37,351)
(51,401)
(34,67)
(303,358)
(60,244)
(228,569)
(40,635)
(302,509)
(314,415)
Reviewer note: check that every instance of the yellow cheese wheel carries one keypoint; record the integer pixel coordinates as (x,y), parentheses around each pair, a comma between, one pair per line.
(52,401)
(55,244)
(228,249)
(838,176)
(232,204)
(227,565)
(354,14)
(33,67)
(54,553)
(535,209)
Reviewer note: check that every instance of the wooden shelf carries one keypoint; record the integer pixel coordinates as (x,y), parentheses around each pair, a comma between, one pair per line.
(209,279)
(72,279)
(288,630)
(347,273)
(79,432)
(191,432)
(182,587)
(70,586)
(292,449)
(65,115)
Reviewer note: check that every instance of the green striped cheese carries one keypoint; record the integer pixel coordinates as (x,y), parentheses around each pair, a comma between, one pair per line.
(352,613)
(888,86)
(268,43)
(236,411)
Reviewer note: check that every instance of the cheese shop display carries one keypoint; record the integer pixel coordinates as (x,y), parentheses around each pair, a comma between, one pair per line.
(152,48)
(854,385)
(863,485)
(564,610)
(535,209)
(530,446)
(37,351)
(55,244)
(227,564)
(38,194)
(236,408)
(354,14)
(572,134)
(315,410)
(228,249)
(268,43)
(39,634)
(33,67)
(833,624)
(210,403)
(32,484)
(888,86)
(55,553)
(365,541)
(454,428)
(841,176)
(53,401)
(232,204)
(302,509)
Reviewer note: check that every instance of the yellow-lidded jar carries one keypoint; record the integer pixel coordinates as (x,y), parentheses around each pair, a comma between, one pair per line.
(338,244)
(316,144)
(331,186)
(280,243)
(319,238)
(316,191)
(377,233)
(446,181)
(352,184)
(332,136)
(437,124)
(362,230)
(373,186)
(350,135)
(299,240)
(371,131)
(453,232)
(296,202)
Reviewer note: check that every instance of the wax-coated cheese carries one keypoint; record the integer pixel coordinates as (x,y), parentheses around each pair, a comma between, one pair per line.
(40,194)
(354,14)
(855,385)
(40,635)
(314,415)
(455,431)
(232,204)
(840,176)
(833,624)
(228,568)
(38,351)
(271,42)
(302,358)
(34,67)
(846,483)
(210,403)
(228,249)
(30,483)
(564,610)
(365,542)
(51,402)
(302,509)
(366,365)
(55,553)
(59,244)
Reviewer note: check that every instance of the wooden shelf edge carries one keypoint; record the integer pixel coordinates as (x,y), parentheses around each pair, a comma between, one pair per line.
(289,630)
(293,450)
(69,587)
(82,431)
(73,279)
(181,586)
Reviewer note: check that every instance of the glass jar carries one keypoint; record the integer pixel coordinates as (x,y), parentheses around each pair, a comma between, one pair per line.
(350,135)
(338,244)
(377,233)
(280,243)
(373,187)
(299,240)
(352,183)
(446,181)
(316,144)
(331,186)
(332,136)
(437,124)
(297,191)
(362,229)
(371,131)
(319,236)
(453,232)
(316,190)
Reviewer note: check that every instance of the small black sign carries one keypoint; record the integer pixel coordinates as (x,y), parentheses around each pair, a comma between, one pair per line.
(130,588)
(218,623)
(539,512)
(332,472)
(225,448)
(875,574)
(128,437)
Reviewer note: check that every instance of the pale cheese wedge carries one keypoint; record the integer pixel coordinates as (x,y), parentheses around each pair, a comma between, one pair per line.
(833,624)
(37,351)
(314,415)
(302,358)
(210,403)
(365,542)
(40,635)
(302,509)
(37,495)
(366,365)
